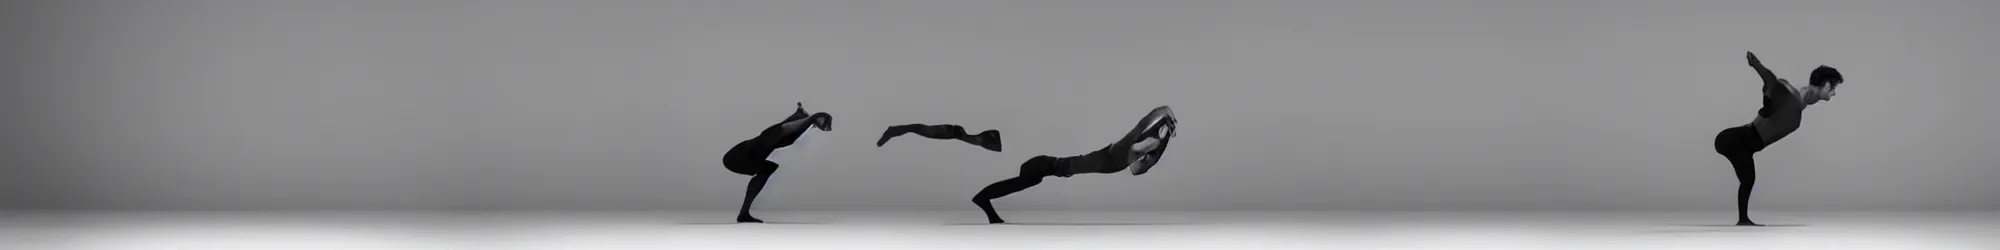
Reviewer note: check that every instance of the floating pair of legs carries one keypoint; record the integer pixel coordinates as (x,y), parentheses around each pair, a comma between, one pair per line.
(989,139)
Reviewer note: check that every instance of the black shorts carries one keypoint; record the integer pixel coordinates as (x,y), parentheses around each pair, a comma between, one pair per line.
(1739,140)
(1044,166)
(741,160)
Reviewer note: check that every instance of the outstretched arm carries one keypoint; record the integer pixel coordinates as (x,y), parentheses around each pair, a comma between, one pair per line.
(1770,79)
(1153,149)
(1150,138)
(800,121)
(799,125)
(1772,85)
(1146,145)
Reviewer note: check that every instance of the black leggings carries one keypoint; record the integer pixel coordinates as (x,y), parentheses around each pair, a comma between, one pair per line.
(1032,173)
(940,131)
(745,166)
(1738,144)
(989,139)
(759,170)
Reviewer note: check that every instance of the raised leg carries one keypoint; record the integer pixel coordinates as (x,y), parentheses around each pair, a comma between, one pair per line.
(989,139)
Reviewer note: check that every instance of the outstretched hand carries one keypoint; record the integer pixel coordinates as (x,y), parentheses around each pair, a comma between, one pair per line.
(1753,59)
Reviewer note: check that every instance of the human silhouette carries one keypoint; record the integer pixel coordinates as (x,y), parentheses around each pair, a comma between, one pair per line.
(1138,150)
(989,139)
(1779,116)
(752,157)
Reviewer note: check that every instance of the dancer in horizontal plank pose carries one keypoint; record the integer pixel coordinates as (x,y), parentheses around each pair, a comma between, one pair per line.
(1780,115)
(1138,150)
(752,157)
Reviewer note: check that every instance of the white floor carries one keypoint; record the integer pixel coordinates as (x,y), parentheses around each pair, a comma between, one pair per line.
(1095,230)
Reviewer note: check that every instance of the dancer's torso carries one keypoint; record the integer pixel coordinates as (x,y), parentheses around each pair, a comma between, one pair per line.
(768,143)
(1787,109)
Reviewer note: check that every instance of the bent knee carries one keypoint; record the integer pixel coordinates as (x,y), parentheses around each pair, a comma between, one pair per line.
(741,169)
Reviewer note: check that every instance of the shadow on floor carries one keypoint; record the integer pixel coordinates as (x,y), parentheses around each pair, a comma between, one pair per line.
(1688,231)
(1080,224)
(1734,225)
(1719,228)
(736,223)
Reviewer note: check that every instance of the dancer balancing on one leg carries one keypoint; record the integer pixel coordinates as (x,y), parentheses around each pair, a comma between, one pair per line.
(751,157)
(1138,150)
(1779,116)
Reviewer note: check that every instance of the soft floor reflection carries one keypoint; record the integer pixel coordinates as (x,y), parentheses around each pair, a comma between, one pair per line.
(1095,230)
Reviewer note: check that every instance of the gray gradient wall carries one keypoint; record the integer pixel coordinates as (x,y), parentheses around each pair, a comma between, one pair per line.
(1500,105)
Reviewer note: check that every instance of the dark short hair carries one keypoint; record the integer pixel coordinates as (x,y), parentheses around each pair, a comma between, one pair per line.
(1826,76)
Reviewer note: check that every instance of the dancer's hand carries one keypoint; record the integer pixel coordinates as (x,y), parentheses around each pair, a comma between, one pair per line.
(1753,59)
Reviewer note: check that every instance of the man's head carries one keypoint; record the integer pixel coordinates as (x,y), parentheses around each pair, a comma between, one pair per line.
(1823,81)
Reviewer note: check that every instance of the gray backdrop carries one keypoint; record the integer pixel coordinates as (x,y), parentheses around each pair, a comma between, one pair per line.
(1392,104)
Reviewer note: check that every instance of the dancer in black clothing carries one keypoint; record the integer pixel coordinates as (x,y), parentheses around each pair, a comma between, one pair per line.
(989,139)
(1780,116)
(750,157)
(1139,150)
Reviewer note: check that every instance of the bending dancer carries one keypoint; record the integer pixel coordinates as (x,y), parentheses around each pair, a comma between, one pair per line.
(1138,150)
(751,157)
(1780,115)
